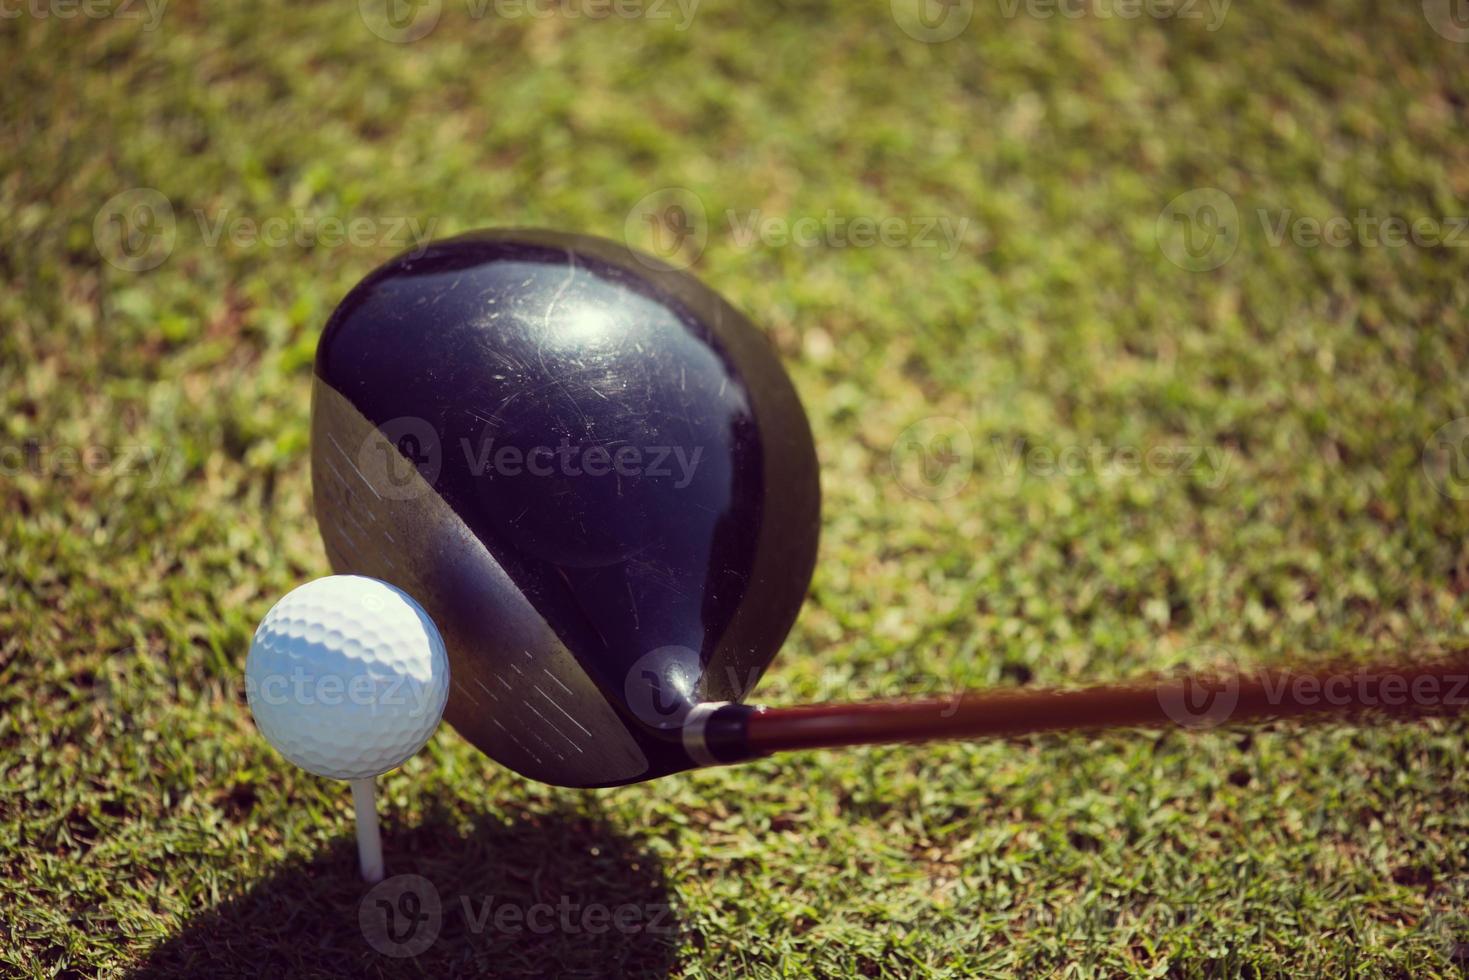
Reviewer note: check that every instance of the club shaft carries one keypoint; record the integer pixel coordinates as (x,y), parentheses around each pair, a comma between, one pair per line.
(1418,689)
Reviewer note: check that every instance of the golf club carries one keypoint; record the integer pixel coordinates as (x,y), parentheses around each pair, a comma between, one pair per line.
(595,476)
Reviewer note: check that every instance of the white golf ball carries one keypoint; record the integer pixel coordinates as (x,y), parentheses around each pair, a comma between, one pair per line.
(347,677)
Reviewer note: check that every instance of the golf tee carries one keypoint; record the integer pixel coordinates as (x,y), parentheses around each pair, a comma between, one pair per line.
(369,841)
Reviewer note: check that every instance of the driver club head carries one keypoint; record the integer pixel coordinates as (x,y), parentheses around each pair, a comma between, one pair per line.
(590,470)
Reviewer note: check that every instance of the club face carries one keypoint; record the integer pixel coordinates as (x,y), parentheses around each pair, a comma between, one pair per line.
(590,470)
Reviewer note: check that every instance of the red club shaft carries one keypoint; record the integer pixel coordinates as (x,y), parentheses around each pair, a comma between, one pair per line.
(1435,687)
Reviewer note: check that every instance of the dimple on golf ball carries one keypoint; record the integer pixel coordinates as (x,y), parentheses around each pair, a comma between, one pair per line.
(347,676)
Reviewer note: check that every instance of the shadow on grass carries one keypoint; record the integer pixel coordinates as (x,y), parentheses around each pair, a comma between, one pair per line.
(560,894)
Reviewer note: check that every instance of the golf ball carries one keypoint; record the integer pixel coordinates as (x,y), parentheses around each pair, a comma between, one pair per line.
(347,676)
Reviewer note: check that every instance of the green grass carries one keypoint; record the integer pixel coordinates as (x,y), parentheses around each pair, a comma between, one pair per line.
(145,827)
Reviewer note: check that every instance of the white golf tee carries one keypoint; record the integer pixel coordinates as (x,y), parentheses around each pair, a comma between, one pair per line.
(369,841)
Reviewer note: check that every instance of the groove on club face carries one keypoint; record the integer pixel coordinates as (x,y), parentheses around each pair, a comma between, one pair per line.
(650,586)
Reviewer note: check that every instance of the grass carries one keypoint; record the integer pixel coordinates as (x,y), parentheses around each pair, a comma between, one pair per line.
(145,828)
